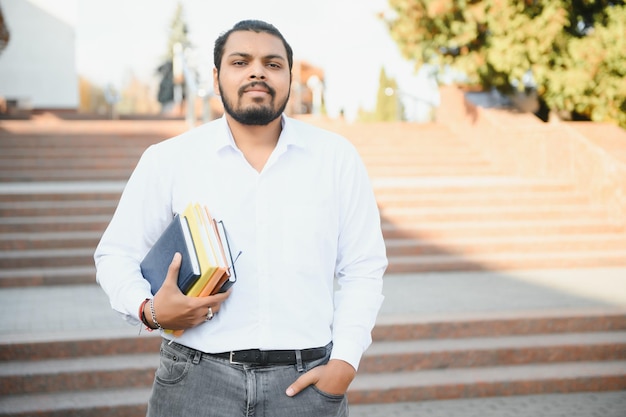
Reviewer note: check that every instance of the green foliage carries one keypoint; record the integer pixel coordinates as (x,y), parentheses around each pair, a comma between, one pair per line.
(388,105)
(387,99)
(4,32)
(574,48)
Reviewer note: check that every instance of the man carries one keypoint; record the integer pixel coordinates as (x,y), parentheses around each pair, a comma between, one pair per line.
(297,202)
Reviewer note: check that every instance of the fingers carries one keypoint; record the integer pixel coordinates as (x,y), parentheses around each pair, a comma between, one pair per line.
(171,280)
(334,378)
(213,301)
(175,310)
(309,378)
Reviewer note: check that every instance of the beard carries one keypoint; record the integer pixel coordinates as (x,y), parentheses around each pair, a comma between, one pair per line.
(254,115)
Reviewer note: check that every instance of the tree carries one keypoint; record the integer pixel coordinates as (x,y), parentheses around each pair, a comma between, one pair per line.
(178,35)
(387,99)
(570,51)
(4,32)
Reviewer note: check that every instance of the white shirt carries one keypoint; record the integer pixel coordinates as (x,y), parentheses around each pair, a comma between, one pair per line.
(307,218)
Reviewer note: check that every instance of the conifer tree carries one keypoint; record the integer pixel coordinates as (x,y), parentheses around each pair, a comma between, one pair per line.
(387,99)
(178,34)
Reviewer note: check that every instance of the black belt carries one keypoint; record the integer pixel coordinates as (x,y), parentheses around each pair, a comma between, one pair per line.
(272,357)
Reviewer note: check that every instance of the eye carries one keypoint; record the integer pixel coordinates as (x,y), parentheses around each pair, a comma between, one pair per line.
(274,65)
(239,63)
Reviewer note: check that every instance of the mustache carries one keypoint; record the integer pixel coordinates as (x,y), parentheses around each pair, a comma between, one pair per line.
(255,84)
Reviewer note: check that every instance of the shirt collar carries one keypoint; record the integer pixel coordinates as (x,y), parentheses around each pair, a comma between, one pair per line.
(287,137)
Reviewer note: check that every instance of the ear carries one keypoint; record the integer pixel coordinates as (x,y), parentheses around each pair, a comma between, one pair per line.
(216,86)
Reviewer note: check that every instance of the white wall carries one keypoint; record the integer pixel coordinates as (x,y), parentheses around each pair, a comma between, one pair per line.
(39,63)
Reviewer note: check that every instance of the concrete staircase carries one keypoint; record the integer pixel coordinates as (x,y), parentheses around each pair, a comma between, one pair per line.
(444,208)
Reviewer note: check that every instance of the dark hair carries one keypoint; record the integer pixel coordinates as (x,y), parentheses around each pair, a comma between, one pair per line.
(257,26)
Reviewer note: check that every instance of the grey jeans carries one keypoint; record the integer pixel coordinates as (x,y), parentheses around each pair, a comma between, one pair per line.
(189,383)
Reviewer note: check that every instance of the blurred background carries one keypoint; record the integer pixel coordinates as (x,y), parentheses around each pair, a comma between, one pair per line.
(362,60)
(71,53)
(493,134)
(368,60)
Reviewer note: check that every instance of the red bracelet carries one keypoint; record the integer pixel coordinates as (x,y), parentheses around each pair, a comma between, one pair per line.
(142,315)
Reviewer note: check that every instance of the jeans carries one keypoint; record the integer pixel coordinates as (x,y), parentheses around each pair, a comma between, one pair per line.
(189,383)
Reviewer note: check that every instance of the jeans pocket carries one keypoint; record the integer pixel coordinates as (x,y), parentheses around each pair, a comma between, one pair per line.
(173,366)
(326,395)
(323,403)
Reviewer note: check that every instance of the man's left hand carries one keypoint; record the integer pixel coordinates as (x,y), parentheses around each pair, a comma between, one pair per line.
(333,378)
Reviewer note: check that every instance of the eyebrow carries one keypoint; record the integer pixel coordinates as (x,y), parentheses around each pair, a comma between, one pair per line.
(249,56)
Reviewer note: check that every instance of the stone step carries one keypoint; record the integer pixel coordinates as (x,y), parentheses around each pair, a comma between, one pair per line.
(22,224)
(423,161)
(391,328)
(68,131)
(511,212)
(57,208)
(73,163)
(128,156)
(446,154)
(46,258)
(16,158)
(49,240)
(53,154)
(137,370)
(121,174)
(367,388)
(521,244)
(438,231)
(73,345)
(488,382)
(57,250)
(506,261)
(414,355)
(78,374)
(388,330)
(75,266)
(126,402)
(441,170)
(42,276)
(448,189)
(54,223)
(37,241)
(30,195)
(483,198)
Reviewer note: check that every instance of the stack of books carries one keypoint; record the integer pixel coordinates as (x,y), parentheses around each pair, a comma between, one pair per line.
(207,263)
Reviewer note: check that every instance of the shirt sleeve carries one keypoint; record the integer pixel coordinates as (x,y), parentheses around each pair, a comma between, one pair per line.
(142,213)
(361,263)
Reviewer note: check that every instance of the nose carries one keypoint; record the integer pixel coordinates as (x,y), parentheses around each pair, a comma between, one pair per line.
(257,72)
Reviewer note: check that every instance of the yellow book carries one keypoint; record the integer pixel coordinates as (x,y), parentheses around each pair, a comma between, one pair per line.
(204,252)
(208,264)
(216,280)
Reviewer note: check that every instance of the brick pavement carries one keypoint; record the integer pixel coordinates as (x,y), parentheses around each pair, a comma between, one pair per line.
(607,404)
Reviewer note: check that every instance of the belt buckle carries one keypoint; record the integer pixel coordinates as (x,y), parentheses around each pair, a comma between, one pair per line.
(233,362)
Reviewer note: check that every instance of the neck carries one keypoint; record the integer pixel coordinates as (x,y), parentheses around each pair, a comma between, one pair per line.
(255,142)
(251,136)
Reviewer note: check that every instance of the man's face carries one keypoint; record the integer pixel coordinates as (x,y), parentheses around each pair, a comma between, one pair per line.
(254,78)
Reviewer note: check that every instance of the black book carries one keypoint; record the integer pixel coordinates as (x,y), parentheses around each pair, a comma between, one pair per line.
(175,238)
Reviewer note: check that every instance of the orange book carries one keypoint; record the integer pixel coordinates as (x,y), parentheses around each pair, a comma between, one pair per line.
(222,273)
(211,254)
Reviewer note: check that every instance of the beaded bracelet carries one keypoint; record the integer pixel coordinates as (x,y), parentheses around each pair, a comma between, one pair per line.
(156,323)
(142,315)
